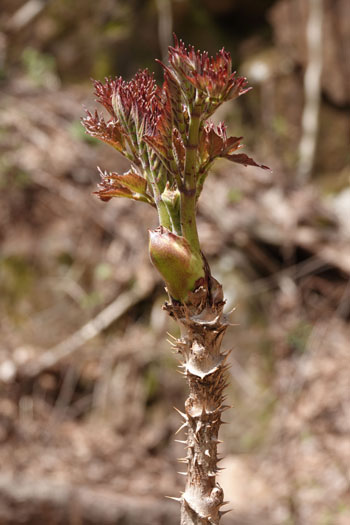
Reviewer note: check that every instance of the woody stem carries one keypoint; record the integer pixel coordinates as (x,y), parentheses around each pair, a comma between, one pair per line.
(204,368)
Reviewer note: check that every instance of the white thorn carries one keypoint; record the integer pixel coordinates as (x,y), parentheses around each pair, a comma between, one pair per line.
(172,336)
(182,426)
(182,414)
(175,499)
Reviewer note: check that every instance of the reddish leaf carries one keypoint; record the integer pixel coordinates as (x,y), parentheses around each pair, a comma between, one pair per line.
(108,132)
(232,144)
(104,92)
(179,149)
(129,185)
(215,144)
(211,75)
(215,141)
(242,158)
(158,146)
(106,194)
(130,180)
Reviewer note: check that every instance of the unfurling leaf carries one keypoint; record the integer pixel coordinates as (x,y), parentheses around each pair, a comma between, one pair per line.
(104,93)
(159,148)
(179,150)
(130,180)
(129,185)
(211,76)
(215,143)
(109,132)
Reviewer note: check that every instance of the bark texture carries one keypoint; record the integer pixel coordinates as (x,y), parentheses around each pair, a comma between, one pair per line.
(202,329)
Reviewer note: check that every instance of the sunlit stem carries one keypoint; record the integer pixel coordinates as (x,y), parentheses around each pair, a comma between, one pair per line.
(163,212)
(188,189)
(175,220)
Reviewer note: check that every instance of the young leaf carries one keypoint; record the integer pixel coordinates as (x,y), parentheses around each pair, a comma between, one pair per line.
(242,158)
(129,185)
(109,132)
(130,180)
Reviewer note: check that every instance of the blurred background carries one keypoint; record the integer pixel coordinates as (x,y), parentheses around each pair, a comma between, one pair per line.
(87,379)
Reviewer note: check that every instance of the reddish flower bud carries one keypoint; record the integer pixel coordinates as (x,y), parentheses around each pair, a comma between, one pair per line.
(181,269)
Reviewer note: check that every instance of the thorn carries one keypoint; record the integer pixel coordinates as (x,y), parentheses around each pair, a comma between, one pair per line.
(183,473)
(181,441)
(232,324)
(207,453)
(175,499)
(225,407)
(183,460)
(171,335)
(224,503)
(182,426)
(222,512)
(227,353)
(182,414)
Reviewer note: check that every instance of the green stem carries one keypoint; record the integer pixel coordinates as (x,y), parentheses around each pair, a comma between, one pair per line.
(188,189)
(175,219)
(188,219)
(163,214)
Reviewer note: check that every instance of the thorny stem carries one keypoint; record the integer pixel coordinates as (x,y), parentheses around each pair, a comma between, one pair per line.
(204,368)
